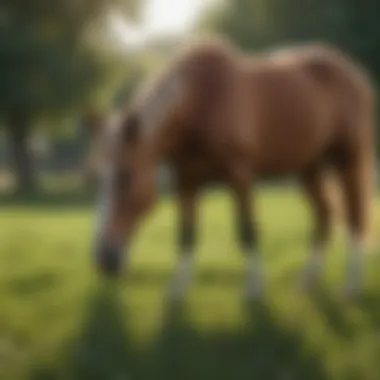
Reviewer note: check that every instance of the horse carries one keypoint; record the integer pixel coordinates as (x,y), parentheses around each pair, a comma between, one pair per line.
(216,113)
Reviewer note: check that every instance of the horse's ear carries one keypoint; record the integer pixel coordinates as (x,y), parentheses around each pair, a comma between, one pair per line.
(131,129)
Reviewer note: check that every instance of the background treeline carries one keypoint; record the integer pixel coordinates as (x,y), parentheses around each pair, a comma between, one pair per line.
(59,59)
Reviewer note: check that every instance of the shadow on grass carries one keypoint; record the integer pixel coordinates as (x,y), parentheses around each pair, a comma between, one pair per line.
(32,284)
(162,276)
(370,304)
(262,349)
(337,311)
(334,311)
(103,349)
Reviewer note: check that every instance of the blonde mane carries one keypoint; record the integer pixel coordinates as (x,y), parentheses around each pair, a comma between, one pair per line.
(164,90)
(158,97)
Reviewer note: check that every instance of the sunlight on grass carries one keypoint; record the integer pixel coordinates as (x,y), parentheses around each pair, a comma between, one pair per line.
(59,320)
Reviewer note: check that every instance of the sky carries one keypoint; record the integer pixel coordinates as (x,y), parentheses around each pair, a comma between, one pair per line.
(161,17)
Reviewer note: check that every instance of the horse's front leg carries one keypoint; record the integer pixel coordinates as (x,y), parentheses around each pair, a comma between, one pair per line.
(186,242)
(314,184)
(240,182)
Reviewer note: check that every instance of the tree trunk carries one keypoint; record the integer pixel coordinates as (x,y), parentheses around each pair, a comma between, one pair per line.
(23,166)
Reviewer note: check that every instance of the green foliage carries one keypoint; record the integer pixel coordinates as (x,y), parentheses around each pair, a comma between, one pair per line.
(56,58)
(53,54)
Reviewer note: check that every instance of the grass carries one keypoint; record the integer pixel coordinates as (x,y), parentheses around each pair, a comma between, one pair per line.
(59,320)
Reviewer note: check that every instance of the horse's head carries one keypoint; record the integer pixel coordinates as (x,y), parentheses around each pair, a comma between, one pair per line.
(123,155)
(123,163)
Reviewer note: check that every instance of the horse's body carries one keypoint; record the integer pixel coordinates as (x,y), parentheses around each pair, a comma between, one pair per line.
(217,114)
(279,113)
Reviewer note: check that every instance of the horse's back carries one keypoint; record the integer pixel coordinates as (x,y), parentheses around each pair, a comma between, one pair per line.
(303,100)
(279,109)
(349,89)
(287,115)
(340,75)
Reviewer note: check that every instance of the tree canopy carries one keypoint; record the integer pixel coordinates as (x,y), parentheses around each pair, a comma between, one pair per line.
(55,57)
(50,53)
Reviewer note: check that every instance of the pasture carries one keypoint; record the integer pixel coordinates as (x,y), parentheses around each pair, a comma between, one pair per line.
(59,320)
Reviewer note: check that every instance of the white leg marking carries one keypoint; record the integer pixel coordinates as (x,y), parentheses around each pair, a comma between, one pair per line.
(103,208)
(313,268)
(182,276)
(355,266)
(255,276)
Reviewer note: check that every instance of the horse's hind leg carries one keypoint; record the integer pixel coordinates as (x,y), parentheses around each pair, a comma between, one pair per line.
(356,177)
(314,182)
(240,181)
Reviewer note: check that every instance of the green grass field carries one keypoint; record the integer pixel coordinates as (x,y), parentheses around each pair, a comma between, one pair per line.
(59,320)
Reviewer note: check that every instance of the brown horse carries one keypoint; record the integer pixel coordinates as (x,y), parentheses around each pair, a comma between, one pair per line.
(215,113)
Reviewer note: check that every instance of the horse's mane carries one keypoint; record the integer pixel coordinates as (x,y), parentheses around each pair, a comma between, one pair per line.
(164,88)
(156,79)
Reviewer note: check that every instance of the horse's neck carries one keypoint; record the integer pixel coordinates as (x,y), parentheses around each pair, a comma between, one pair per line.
(160,102)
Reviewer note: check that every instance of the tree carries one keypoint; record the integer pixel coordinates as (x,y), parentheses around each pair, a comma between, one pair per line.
(53,56)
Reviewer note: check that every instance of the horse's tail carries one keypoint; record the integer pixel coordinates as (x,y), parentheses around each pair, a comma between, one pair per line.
(367,155)
(361,174)
(339,209)
(368,174)
(355,83)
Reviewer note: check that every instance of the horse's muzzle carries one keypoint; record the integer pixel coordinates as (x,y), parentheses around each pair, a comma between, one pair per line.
(109,259)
